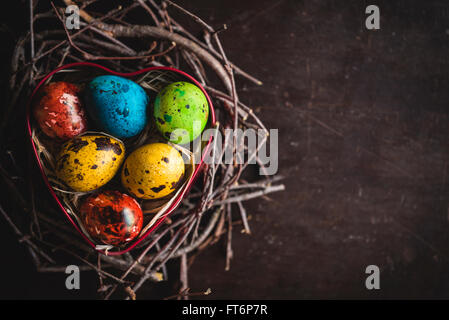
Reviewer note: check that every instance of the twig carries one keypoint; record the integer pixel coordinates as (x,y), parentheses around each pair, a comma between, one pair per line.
(244,218)
(229,252)
(183,276)
(251,195)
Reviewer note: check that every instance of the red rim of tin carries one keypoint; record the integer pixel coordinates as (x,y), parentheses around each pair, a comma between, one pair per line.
(126,75)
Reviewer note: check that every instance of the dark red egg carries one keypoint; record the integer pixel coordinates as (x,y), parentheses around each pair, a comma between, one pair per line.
(59,112)
(112,217)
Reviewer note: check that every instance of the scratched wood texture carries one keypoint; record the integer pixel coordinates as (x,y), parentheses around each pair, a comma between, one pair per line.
(363,127)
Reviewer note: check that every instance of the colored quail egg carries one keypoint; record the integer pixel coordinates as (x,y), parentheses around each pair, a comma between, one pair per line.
(88,162)
(112,217)
(59,112)
(118,105)
(181,112)
(153,171)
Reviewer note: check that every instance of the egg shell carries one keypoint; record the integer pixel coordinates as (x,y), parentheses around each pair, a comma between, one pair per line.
(111,217)
(88,162)
(153,171)
(118,105)
(59,111)
(181,111)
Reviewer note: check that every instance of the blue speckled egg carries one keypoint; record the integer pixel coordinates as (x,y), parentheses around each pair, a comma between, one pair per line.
(118,105)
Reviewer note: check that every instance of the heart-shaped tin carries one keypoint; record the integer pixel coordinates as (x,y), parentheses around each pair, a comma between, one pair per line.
(152,79)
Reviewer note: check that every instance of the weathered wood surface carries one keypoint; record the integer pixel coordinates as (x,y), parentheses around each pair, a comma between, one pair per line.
(363,126)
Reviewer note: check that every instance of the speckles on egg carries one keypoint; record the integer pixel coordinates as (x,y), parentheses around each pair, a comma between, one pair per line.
(112,217)
(118,105)
(167,117)
(153,171)
(106,144)
(59,112)
(87,163)
(181,111)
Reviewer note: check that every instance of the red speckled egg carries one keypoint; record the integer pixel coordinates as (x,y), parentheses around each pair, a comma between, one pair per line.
(59,112)
(112,217)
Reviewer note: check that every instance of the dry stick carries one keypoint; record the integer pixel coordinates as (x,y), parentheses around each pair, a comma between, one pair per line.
(193,65)
(49,51)
(230,168)
(24,238)
(229,252)
(116,45)
(112,261)
(125,11)
(212,160)
(173,250)
(60,226)
(220,226)
(200,66)
(202,237)
(243,114)
(126,50)
(90,56)
(163,267)
(136,57)
(183,269)
(190,294)
(132,55)
(251,195)
(144,253)
(235,98)
(34,258)
(208,46)
(235,101)
(143,30)
(145,277)
(117,262)
(147,269)
(32,36)
(236,68)
(17,53)
(148,9)
(87,55)
(197,227)
(223,150)
(168,251)
(47,14)
(64,56)
(33,199)
(248,109)
(165,15)
(162,14)
(255,152)
(194,17)
(124,265)
(62,269)
(87,3)
(244,217)
(139,30)
(13,100)
(100,278)
(85,261)
(70,240)
(262,184)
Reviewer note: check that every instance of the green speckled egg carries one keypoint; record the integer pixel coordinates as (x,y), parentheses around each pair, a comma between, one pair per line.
(181,112)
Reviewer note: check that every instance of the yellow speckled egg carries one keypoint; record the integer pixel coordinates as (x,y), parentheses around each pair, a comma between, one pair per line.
(89,162)
(153,171)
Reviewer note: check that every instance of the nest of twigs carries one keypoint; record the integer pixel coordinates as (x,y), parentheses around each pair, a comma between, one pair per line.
(113,39)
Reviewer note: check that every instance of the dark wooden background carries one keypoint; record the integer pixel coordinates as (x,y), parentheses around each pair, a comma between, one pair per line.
(363,127)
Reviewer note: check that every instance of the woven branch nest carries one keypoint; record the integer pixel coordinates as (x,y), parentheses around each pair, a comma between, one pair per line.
(113,39)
